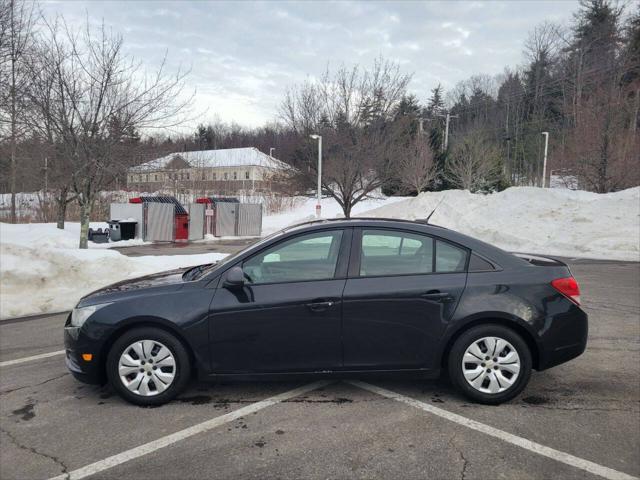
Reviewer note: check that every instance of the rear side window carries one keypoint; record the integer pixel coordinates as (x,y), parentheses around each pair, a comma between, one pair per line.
(395,253)
(479,264)
(449,258)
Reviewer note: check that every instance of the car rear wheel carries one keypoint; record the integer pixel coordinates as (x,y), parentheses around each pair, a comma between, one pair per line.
(490,364)
(148,366)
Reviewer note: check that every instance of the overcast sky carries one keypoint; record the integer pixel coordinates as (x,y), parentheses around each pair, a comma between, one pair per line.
(244,54)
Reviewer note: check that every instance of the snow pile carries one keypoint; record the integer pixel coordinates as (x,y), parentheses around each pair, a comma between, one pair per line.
(535,220)
(306,210)
(46,235)
(42,270)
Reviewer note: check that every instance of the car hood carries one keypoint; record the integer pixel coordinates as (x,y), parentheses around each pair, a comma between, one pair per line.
(165,281)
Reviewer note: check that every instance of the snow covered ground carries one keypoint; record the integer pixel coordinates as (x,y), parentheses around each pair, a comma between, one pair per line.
(42,270)
(535,220)
(48,236)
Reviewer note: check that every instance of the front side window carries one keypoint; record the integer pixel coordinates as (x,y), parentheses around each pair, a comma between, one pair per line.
(395,253)
(307,257)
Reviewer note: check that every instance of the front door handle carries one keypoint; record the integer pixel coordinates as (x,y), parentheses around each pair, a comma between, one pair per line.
(320,306)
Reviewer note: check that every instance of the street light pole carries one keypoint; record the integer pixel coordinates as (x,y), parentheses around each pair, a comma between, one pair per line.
(318,206)
(544,162)
(448,118)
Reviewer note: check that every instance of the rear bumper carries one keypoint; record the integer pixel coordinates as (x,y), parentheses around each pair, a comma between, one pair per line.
(565,339)
(75,345)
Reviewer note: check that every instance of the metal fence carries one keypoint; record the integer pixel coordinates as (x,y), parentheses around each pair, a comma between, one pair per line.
(249,222)
(161,223)
(226,219)
(196,221)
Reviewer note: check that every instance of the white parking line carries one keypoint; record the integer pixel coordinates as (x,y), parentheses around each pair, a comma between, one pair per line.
(162,442)
(30,359)
(557,455)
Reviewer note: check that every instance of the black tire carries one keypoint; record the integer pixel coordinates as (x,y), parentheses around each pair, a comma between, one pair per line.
(182,367)
(465,340)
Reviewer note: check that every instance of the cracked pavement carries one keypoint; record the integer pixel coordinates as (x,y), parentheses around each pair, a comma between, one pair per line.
(51,425)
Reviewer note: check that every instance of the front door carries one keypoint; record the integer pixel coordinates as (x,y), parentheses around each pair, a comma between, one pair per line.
(287,316)
(402,289)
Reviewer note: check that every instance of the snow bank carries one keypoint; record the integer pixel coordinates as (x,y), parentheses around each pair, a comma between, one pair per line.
(535,220)
(42,270)
(48,236)
(306,210)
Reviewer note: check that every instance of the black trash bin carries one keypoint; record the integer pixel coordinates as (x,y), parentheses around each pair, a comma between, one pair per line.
(128,229)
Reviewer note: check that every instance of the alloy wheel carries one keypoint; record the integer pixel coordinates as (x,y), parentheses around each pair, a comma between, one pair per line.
(491,365)
(147,368)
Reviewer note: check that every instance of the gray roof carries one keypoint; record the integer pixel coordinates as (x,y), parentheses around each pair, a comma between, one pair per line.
(229,157)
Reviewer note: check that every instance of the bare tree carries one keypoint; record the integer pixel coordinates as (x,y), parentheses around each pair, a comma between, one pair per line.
(99,100)
(474,163)
(356,163)
(351,109)
(416,168)
(16,33)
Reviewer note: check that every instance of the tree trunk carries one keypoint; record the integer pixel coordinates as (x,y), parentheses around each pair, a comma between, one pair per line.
(347,208)
(85,214)
(12,180)
(61,209)
(634,122)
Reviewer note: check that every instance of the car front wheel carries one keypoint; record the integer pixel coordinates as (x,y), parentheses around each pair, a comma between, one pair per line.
(148,366)
(490,364)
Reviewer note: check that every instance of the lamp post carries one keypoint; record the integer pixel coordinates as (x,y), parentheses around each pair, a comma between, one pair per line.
(318,206)
(544,161)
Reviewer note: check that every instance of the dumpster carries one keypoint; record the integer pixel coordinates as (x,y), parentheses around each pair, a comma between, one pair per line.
(165,219)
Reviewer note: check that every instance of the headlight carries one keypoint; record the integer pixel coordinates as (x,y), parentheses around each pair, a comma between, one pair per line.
(80,315)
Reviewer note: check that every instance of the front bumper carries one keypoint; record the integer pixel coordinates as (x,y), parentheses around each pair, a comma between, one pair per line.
(75,344)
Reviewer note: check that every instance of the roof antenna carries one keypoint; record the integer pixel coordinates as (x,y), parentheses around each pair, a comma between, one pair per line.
(433,211)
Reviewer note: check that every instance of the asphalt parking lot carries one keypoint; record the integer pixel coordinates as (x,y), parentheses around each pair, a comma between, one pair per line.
(578,420)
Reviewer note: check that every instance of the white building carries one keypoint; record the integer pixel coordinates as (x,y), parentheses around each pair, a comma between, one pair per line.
(230,171)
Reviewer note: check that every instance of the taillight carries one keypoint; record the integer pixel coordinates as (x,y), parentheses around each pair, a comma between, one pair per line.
(568,287)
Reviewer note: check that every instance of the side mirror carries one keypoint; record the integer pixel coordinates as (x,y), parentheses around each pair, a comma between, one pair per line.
(234,278)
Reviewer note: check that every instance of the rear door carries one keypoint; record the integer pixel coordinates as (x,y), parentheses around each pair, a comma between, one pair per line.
(287,316)
(402,289)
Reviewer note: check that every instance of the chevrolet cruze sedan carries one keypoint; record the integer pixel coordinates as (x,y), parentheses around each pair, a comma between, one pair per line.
(335,298)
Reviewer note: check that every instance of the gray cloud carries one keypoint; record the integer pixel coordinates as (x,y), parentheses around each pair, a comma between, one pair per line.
(243,55)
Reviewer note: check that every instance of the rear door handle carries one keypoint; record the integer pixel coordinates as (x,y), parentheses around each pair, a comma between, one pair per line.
(320,306)
(438,296)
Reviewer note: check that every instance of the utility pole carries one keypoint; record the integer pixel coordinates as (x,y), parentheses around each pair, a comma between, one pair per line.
(448,118)
(544,161)
(318,205)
